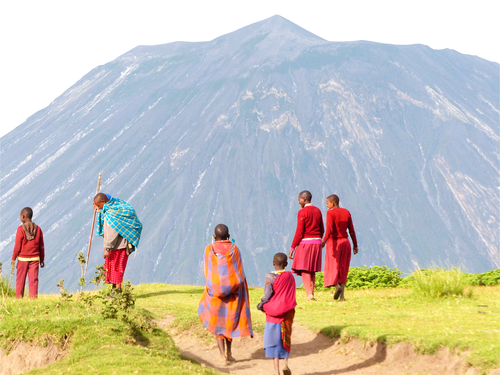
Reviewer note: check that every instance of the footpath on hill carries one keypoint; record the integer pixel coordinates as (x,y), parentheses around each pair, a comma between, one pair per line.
(375,332)
(317,354)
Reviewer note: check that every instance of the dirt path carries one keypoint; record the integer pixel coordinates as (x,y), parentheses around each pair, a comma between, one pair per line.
(316,354)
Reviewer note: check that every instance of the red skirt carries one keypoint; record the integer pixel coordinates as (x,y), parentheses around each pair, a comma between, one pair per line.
(337,260)
(115,266)
(307,257)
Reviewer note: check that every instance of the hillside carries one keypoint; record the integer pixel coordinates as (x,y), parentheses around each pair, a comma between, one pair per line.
(386,331)
(230,130)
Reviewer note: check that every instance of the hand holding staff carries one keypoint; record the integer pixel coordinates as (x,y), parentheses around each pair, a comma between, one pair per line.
(98,190)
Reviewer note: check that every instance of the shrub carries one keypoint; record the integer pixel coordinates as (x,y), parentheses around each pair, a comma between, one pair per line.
(383,277)
(6,289)
(440,282)
(366,278)
(489,278)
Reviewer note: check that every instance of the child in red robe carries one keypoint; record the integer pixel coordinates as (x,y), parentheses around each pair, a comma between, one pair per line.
(279,305)
(29,251)
(338,247)
(306,247)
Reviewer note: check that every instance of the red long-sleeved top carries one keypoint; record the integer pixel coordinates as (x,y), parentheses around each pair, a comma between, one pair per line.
(29,249)
(309,225)
(338,220)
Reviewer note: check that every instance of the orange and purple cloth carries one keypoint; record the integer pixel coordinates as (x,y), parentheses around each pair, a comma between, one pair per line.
(224,307)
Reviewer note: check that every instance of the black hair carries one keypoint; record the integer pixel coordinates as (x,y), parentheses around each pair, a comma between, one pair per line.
(280,259)
(306,194)
(28,212)
(221,231)
(334,198)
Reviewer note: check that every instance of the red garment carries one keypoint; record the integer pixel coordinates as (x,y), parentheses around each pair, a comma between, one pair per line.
(115,265)
(337,260)
(222,247)
(307,258)
(29,249)
(283,299)
(338,220)
(29,269)
(309,225)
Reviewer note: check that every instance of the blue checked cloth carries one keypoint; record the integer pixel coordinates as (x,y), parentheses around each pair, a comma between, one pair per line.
(122,218)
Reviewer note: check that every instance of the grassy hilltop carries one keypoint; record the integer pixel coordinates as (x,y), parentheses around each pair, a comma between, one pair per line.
(117,336)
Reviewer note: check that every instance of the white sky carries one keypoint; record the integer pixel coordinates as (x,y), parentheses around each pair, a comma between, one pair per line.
(49,45)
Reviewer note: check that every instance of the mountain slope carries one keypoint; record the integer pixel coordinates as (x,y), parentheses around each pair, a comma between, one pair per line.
(193,134)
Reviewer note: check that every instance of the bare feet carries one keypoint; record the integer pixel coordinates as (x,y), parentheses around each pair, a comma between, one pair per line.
(338,291)
(310,297)
(286,370)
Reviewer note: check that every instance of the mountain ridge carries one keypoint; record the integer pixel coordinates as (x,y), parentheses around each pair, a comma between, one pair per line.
(197,136)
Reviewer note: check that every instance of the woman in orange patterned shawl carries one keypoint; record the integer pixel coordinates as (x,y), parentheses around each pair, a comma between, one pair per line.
(224,307)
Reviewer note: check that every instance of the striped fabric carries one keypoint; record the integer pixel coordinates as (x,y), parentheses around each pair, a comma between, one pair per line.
(115,265)
(224,307)
(122,218)
(286,330)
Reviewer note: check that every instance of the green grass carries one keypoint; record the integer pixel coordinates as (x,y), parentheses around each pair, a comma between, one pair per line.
(5,288)
(96,345)
(386,315)
(111,346)
(437,283)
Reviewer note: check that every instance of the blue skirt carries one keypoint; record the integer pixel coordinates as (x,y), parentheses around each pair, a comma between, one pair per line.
(273,344)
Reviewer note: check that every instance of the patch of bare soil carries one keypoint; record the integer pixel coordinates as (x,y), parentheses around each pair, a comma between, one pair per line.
(316,354)
(25,357)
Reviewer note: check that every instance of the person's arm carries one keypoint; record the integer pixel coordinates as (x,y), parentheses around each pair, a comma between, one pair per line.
(268,291)
(111,237)
(329,223)
(299,232)
(42,249)
(352,233)
(321,227)
(18,244)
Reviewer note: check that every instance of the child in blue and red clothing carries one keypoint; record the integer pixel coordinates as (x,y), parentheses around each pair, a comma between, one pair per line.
(279,305)
(30,253)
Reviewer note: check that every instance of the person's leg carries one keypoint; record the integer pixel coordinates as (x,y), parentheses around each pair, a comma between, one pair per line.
(22,270)
(308,284)
(276,366)
(220,344)
(286,369)
(229,355)
(342,297)
(33,268)
(345,263)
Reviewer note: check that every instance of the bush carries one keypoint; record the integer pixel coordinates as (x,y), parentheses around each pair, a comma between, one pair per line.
(489,278)
(383,277)
(5,289)
(437,282)
(366,278)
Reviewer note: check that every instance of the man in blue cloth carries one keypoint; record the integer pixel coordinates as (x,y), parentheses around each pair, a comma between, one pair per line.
(119,225)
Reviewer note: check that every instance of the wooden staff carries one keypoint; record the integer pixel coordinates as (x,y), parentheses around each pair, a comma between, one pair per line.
(97,191)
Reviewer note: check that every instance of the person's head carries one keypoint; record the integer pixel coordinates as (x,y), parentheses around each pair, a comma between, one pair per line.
(26,215)
(280,261)
(304,198)
(221,232)
(332,201)
(100,199)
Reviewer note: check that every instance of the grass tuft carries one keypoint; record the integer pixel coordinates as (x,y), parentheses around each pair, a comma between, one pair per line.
(5,289)
(437,283)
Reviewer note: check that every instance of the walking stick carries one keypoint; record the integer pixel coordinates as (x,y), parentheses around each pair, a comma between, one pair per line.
(98,190)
